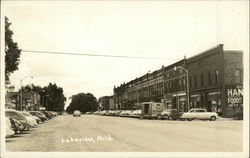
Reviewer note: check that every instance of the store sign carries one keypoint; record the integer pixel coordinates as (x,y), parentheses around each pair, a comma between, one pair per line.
(234,96)
(41,108)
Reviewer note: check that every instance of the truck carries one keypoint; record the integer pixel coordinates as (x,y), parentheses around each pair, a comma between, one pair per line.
(151,109)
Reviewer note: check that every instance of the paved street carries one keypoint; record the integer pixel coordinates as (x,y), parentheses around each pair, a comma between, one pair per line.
(102,133)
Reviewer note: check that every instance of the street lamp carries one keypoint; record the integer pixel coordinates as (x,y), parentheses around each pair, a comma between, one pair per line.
(21,92)
(187,79)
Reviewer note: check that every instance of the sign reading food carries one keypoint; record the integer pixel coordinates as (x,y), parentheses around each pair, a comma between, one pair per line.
(234,96)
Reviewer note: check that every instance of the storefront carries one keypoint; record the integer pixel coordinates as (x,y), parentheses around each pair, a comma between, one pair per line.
(195,101)
(181,102)
(214,101)
(167,101)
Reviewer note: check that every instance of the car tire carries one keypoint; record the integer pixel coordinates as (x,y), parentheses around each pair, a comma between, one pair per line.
(189,119)
(212,118)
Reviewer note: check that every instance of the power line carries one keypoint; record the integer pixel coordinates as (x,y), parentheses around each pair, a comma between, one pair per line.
(95,55)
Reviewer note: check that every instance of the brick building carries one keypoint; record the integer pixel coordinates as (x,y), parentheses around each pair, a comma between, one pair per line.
(215,80)
(30,101)
(107,103)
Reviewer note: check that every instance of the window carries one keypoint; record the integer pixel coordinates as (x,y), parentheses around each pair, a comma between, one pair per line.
(209,78)
(183,83)
(216,76)
(237,76)
(195,81)
(180,84)
(190,82)
(202,80)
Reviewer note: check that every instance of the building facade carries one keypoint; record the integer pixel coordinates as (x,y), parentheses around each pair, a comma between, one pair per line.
(211,80)
(30,101)
(107,103)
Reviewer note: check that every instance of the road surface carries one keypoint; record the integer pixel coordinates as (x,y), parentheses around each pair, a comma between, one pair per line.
(93,133)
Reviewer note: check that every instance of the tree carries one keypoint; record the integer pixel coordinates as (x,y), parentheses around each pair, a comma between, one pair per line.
(55,97)
(51,96)
(12,52)
(83,102)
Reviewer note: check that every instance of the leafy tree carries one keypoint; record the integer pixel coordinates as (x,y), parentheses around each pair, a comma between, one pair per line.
(83,102)
(55,96)
(51,96)
(12,52)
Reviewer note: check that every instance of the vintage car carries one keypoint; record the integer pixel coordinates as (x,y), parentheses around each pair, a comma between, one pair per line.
(77,113)
(199,113)
(20,117)
(171,114)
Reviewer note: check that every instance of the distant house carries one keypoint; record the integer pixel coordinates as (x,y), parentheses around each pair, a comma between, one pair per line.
(107,103)
(30,101)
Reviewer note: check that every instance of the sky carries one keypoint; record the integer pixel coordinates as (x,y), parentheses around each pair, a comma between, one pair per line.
(160,29)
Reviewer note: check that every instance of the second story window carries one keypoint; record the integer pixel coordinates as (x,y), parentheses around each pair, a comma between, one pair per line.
(195,81)
(216,76)
(237,76)
(190,82)
(202,80)
(183,83)
(209,78)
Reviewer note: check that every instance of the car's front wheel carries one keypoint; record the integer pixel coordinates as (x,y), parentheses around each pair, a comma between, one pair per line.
(189,119)
(212,118)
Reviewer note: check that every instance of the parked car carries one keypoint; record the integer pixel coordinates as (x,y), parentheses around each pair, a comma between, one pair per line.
(38,120)
(9,131)
(39,115)
(117,112)
(103,112)
(53,113)
(20,117)
(16,126)
(96,112)
(124,113)
(49,116)
(135,114)
(199,113)
(31,119)
(171,114)
(77,113)
(89,113)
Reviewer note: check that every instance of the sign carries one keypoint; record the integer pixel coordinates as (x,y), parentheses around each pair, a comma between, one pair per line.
(234,96)
(41,108)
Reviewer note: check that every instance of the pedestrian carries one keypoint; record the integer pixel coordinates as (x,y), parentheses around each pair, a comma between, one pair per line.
(219,110)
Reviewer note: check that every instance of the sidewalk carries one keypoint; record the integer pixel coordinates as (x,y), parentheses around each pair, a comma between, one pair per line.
(225,119)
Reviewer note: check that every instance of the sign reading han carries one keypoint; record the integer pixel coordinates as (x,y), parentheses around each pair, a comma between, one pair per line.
(234,96)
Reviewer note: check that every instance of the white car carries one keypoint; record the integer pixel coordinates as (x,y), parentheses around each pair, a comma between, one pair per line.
(9,131)
(30,118)
(77,113)
(200,114)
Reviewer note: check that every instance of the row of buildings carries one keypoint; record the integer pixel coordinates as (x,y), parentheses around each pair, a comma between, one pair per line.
(31,101)
(212,79)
